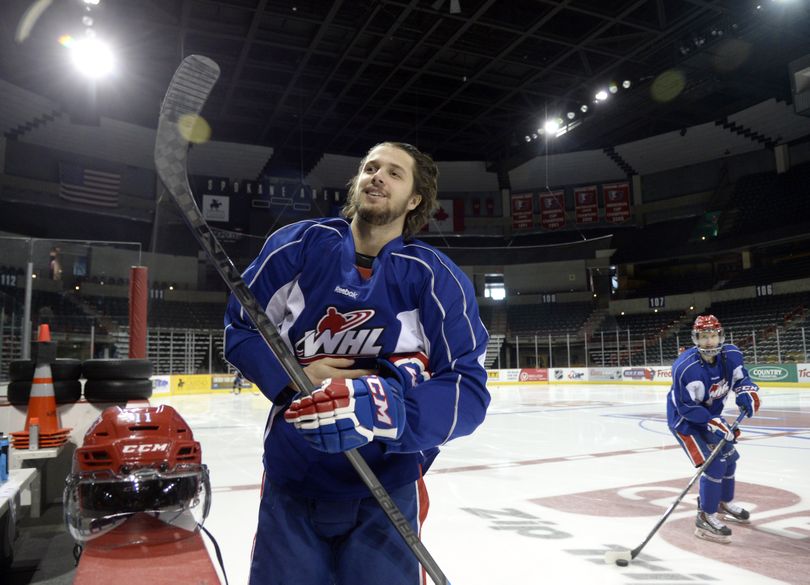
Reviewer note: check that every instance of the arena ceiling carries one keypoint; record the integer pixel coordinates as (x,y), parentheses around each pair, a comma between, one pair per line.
(463,79)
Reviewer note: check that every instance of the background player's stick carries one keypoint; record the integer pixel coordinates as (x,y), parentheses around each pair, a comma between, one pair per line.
(623,557)
(185,98)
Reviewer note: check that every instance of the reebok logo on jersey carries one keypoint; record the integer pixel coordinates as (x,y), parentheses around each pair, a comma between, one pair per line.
(338,335)
(345,292)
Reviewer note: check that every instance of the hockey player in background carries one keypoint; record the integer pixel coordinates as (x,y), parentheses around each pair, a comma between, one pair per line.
(702,379)
(388,330)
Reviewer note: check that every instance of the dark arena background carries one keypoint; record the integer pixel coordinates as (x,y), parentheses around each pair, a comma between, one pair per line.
(609,170)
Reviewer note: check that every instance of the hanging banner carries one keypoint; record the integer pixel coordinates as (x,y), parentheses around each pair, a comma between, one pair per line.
(448,217)
(586,205)
(522,210)
(489,202)
(552,210)
(617,202)
(476,207)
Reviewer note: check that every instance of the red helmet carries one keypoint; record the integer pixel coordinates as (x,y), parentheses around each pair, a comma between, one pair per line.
(140,467)
(708,323)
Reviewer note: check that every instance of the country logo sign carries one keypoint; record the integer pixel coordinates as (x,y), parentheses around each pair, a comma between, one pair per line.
(769,373)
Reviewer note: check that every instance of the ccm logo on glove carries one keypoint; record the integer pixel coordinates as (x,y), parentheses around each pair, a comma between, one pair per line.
(380,401)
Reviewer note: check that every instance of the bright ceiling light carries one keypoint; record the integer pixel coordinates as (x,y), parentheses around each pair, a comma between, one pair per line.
(92,57)
(626,84)
(583,108)
(571,115)
(613,88)
(601,95)
(552,125)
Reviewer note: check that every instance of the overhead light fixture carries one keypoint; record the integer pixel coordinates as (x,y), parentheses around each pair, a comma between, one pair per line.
(583,108)
(613,88)
(455,7)
(92,57)
(552,125)
(601,95)
(626,84)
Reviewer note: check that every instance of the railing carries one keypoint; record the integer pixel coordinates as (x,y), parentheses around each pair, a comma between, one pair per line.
(628,347)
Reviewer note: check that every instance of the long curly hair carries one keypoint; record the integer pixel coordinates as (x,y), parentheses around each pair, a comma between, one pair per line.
(425,183)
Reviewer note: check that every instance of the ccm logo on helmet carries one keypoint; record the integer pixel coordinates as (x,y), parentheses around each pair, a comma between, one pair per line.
(148,448)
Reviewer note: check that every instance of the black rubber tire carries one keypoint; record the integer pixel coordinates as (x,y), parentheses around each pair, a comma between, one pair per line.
(117,390)
(64,391)
(61,369)
(117,369)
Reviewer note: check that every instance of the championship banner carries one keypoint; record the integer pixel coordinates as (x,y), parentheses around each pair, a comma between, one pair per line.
(476,207)
(489,202)
(586,205)
(552,210)
(617,202)
(522,210)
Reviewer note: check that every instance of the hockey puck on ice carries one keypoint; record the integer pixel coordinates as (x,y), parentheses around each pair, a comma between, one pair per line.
(622,562)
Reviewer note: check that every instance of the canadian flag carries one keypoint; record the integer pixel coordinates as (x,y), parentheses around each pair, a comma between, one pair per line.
(448,218)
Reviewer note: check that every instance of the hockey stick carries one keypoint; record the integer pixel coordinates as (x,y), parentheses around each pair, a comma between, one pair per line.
(623,557)
(185,98)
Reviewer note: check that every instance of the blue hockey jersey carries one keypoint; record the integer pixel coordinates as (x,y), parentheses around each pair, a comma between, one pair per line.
(416,300)
(699,389)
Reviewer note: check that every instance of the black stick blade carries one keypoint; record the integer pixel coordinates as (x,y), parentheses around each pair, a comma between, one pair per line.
(189,88)
(185,98)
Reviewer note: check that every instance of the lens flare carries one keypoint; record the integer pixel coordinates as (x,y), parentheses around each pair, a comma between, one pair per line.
(668,86)
(194,128)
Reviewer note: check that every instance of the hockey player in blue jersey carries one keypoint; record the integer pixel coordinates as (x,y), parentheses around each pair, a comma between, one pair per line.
(702,379)
(388,329)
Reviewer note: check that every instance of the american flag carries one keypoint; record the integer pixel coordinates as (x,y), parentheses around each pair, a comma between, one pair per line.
(88,186)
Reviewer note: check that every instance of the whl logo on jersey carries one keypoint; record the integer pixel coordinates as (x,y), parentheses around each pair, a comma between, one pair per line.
(339,335)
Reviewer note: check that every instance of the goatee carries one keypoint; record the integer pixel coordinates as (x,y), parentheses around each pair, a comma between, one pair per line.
(373,216)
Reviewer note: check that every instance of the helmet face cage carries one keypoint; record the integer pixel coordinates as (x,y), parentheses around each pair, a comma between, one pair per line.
(138,478)
(711,325)
(96,503)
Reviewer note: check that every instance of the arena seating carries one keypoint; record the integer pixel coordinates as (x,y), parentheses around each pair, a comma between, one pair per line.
(557,319)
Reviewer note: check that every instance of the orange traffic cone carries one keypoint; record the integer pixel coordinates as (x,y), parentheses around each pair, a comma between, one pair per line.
(42,402)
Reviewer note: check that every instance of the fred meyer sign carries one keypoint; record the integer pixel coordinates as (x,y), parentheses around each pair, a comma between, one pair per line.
(773,373)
